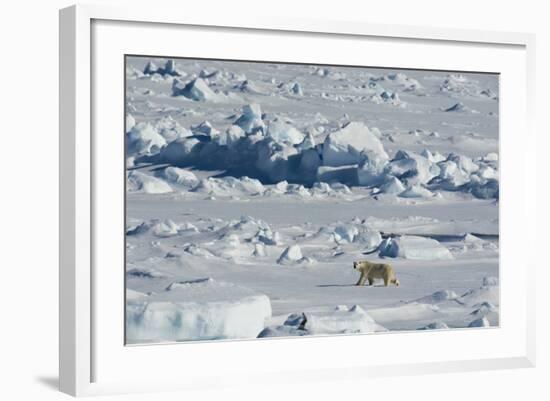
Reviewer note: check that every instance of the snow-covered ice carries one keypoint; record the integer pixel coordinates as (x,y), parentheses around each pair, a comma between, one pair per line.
(197,310)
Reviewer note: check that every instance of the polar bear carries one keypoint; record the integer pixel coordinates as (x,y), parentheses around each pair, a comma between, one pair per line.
(370,271)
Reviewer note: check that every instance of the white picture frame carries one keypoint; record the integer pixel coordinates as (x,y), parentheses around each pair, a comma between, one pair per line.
(95,361)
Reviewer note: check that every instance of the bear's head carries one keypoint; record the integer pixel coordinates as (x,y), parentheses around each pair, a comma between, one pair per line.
(359,264)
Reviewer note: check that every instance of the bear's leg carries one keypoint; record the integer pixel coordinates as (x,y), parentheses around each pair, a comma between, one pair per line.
(361,279)
(371,281)
(386,281)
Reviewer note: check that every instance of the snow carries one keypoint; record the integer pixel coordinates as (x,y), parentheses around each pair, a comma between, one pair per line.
(197,310)
(415,248)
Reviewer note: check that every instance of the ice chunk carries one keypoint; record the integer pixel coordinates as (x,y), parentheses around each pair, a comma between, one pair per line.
(484,189)
(308,142)
(196,89)
(282,331)
(435,326)
(416,191)
(460,108)
(150,68)
(144,139)
(284,133)
(205,128)
(168,69)
(414,247)
(251,119)
(486,309)
(412,168)
(464,163)
(130,122)
(490,281)
(180,176)
(230,247)
(486,293)
(132,294)
(273,159)
(171,129)
(371,169)
(345,234)
(138,229)
(472,239)
(230,186)
(281,186)
(259,250)
(434,157)
(297,89)
(232,135)
(451,177)
(438,296)
(141,182)
(491,157)
(487,172)
(344,146)
(248,86)
(309,164)
(392,186)
(460,84)
(343,174)
(370,238)
(171,69)
(181,151)
(166,228)
(144,272)
(197,310)
(291,255)
(481,322)
(354,320)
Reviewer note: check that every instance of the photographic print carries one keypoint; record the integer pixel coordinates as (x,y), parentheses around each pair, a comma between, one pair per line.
(269,199)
